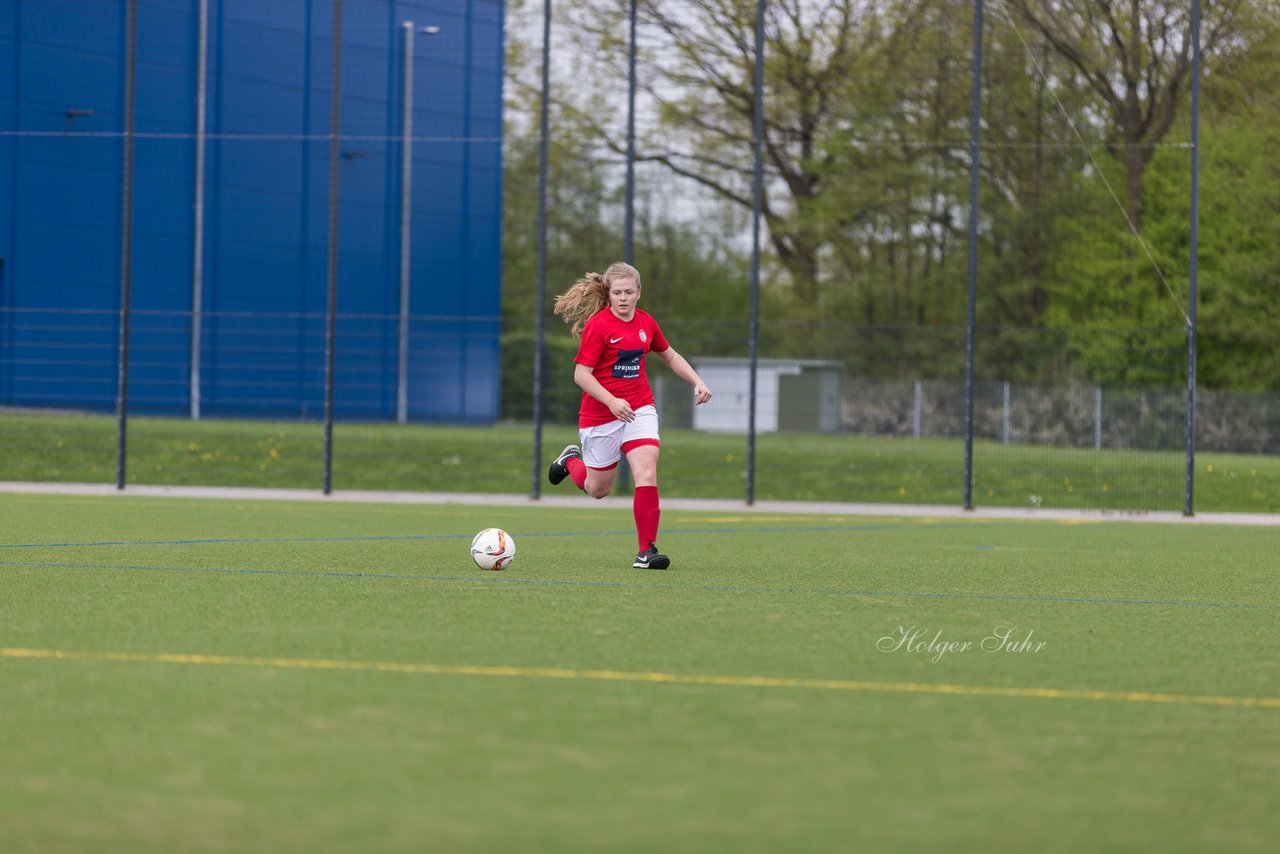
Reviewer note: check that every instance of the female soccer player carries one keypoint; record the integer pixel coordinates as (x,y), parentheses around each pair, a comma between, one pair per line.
(618,415)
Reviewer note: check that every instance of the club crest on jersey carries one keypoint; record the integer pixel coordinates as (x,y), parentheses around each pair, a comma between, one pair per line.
(643,337)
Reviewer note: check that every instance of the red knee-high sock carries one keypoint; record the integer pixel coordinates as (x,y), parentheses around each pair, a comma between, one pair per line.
(577,471)
(647,513)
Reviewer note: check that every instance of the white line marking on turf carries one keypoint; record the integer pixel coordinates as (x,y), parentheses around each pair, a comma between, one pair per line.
(639,677)
(708,504)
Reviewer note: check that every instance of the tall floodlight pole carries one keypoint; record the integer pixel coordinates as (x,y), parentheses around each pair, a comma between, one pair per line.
(406,212)
(628,240)
(757,195)
(331,302)
(539,343)
(1189,509)
(126,244)
(975,117)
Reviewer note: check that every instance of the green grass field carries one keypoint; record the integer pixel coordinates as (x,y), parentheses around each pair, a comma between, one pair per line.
(201,675)
(789,467)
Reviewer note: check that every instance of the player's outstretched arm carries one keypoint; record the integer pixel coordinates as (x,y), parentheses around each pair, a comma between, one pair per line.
(680,366)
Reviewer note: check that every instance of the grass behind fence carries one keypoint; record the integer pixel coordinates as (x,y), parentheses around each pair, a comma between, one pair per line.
(799,467)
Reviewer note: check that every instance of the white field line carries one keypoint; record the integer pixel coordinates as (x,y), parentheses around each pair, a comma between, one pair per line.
(581,501)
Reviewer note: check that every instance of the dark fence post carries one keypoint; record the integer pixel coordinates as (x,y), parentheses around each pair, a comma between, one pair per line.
(1189,508)
(331,309)
(975,118)
(539,308)
(126,245)
(757,192)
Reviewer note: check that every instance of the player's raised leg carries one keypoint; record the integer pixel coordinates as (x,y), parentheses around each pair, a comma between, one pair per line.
(600,455)
(599,482)
(568,464)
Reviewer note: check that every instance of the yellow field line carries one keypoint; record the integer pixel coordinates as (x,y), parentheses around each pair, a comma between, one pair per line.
(633,676)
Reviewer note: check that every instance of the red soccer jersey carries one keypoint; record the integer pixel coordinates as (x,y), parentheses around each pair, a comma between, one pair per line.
(614,350)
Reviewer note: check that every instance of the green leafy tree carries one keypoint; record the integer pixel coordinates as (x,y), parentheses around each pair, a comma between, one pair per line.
(1239,258)
(1239,316)
(694,280)
(697,74)
(1084,109)
(1135,55)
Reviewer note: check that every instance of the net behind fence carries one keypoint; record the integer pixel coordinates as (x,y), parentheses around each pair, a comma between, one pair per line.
(421,212)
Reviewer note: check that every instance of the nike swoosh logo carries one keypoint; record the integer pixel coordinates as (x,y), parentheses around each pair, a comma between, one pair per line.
(615,340)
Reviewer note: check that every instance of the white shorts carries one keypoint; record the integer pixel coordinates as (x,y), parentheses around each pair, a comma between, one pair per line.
(603,444)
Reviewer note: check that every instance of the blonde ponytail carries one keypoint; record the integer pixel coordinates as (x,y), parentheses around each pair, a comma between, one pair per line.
(590,294)
(587,296)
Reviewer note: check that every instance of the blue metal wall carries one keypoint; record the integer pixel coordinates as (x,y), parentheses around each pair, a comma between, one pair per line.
(62,84)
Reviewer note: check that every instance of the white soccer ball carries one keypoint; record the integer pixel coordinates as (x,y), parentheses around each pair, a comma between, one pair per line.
(493,548)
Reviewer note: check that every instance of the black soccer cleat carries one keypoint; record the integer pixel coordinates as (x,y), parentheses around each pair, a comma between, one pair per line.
(651,558)
(559,471)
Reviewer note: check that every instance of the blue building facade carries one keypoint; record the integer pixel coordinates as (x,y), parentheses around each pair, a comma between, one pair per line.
(229,285)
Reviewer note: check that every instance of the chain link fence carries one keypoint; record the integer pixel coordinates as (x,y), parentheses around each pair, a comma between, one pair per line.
(1079,394)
